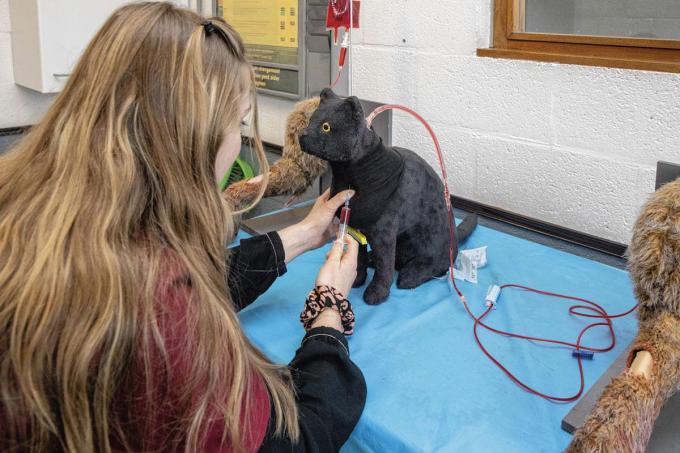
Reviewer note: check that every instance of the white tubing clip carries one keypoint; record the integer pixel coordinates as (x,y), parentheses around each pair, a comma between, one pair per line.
(345,40)
(448,279)
(492,296)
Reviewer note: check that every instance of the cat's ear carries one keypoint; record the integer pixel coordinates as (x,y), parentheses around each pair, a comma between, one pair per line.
(357,110)
(327,94)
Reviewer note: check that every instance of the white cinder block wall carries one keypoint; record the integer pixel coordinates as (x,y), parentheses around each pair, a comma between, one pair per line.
(273,112)
(572,145)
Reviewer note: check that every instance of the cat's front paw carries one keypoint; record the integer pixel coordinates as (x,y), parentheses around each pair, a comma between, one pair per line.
(376,294)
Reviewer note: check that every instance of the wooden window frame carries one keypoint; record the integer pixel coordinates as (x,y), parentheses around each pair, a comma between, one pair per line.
(628,53)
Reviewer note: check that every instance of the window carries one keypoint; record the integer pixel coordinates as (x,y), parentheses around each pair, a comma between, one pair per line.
(636,34)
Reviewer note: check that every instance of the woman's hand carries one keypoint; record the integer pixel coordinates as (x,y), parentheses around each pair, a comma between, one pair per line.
(340,268)
(316,229)
(319,221)
(339,272)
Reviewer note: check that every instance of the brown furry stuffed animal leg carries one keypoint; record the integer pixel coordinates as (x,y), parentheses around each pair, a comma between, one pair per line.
(624,416)
(294,172)
(623,419)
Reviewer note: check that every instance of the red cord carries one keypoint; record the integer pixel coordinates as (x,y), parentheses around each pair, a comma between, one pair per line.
(592,310)
(449,208)
(341,66)
(337,78)
(598,311)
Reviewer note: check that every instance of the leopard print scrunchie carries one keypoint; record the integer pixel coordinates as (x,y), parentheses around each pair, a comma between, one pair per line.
(323,297)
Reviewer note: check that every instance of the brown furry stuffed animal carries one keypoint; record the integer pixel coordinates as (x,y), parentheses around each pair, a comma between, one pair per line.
(294,172)
(623,419)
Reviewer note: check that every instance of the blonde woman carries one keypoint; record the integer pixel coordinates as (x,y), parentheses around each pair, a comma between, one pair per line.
(118,297)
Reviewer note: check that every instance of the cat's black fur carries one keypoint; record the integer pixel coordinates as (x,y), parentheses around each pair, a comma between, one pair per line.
(399,201)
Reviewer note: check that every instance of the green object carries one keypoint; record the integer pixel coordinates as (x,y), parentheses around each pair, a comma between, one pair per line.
(238,171)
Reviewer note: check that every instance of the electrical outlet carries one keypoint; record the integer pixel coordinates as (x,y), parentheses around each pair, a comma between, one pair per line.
(666,172)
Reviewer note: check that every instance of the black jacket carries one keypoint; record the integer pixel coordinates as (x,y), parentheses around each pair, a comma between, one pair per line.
(331,391)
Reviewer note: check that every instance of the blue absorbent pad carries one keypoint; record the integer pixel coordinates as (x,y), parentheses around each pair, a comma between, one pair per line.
(430,388)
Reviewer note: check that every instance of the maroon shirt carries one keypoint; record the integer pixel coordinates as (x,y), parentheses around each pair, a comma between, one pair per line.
(152,428)
(331,391)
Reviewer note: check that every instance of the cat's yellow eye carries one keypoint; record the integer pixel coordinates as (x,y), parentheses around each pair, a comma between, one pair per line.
(326,127)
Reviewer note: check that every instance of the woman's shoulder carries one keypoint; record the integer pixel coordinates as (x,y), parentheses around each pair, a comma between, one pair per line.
(172,298)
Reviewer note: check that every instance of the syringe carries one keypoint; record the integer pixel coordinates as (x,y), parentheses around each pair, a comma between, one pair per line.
(344,219)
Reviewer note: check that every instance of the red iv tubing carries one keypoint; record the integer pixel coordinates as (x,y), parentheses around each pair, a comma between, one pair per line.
(341,59)
(584,308)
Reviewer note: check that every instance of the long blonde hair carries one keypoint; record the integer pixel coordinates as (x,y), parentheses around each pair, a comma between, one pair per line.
(120,170)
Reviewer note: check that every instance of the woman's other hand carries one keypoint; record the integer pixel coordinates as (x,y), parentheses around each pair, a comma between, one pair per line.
(319,221)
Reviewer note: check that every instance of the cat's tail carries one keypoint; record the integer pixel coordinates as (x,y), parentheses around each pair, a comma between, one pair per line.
(466,227)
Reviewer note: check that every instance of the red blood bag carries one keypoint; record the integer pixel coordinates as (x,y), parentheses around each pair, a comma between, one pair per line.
(339,16)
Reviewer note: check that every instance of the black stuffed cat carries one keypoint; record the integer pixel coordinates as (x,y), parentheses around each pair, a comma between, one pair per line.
(398,205)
